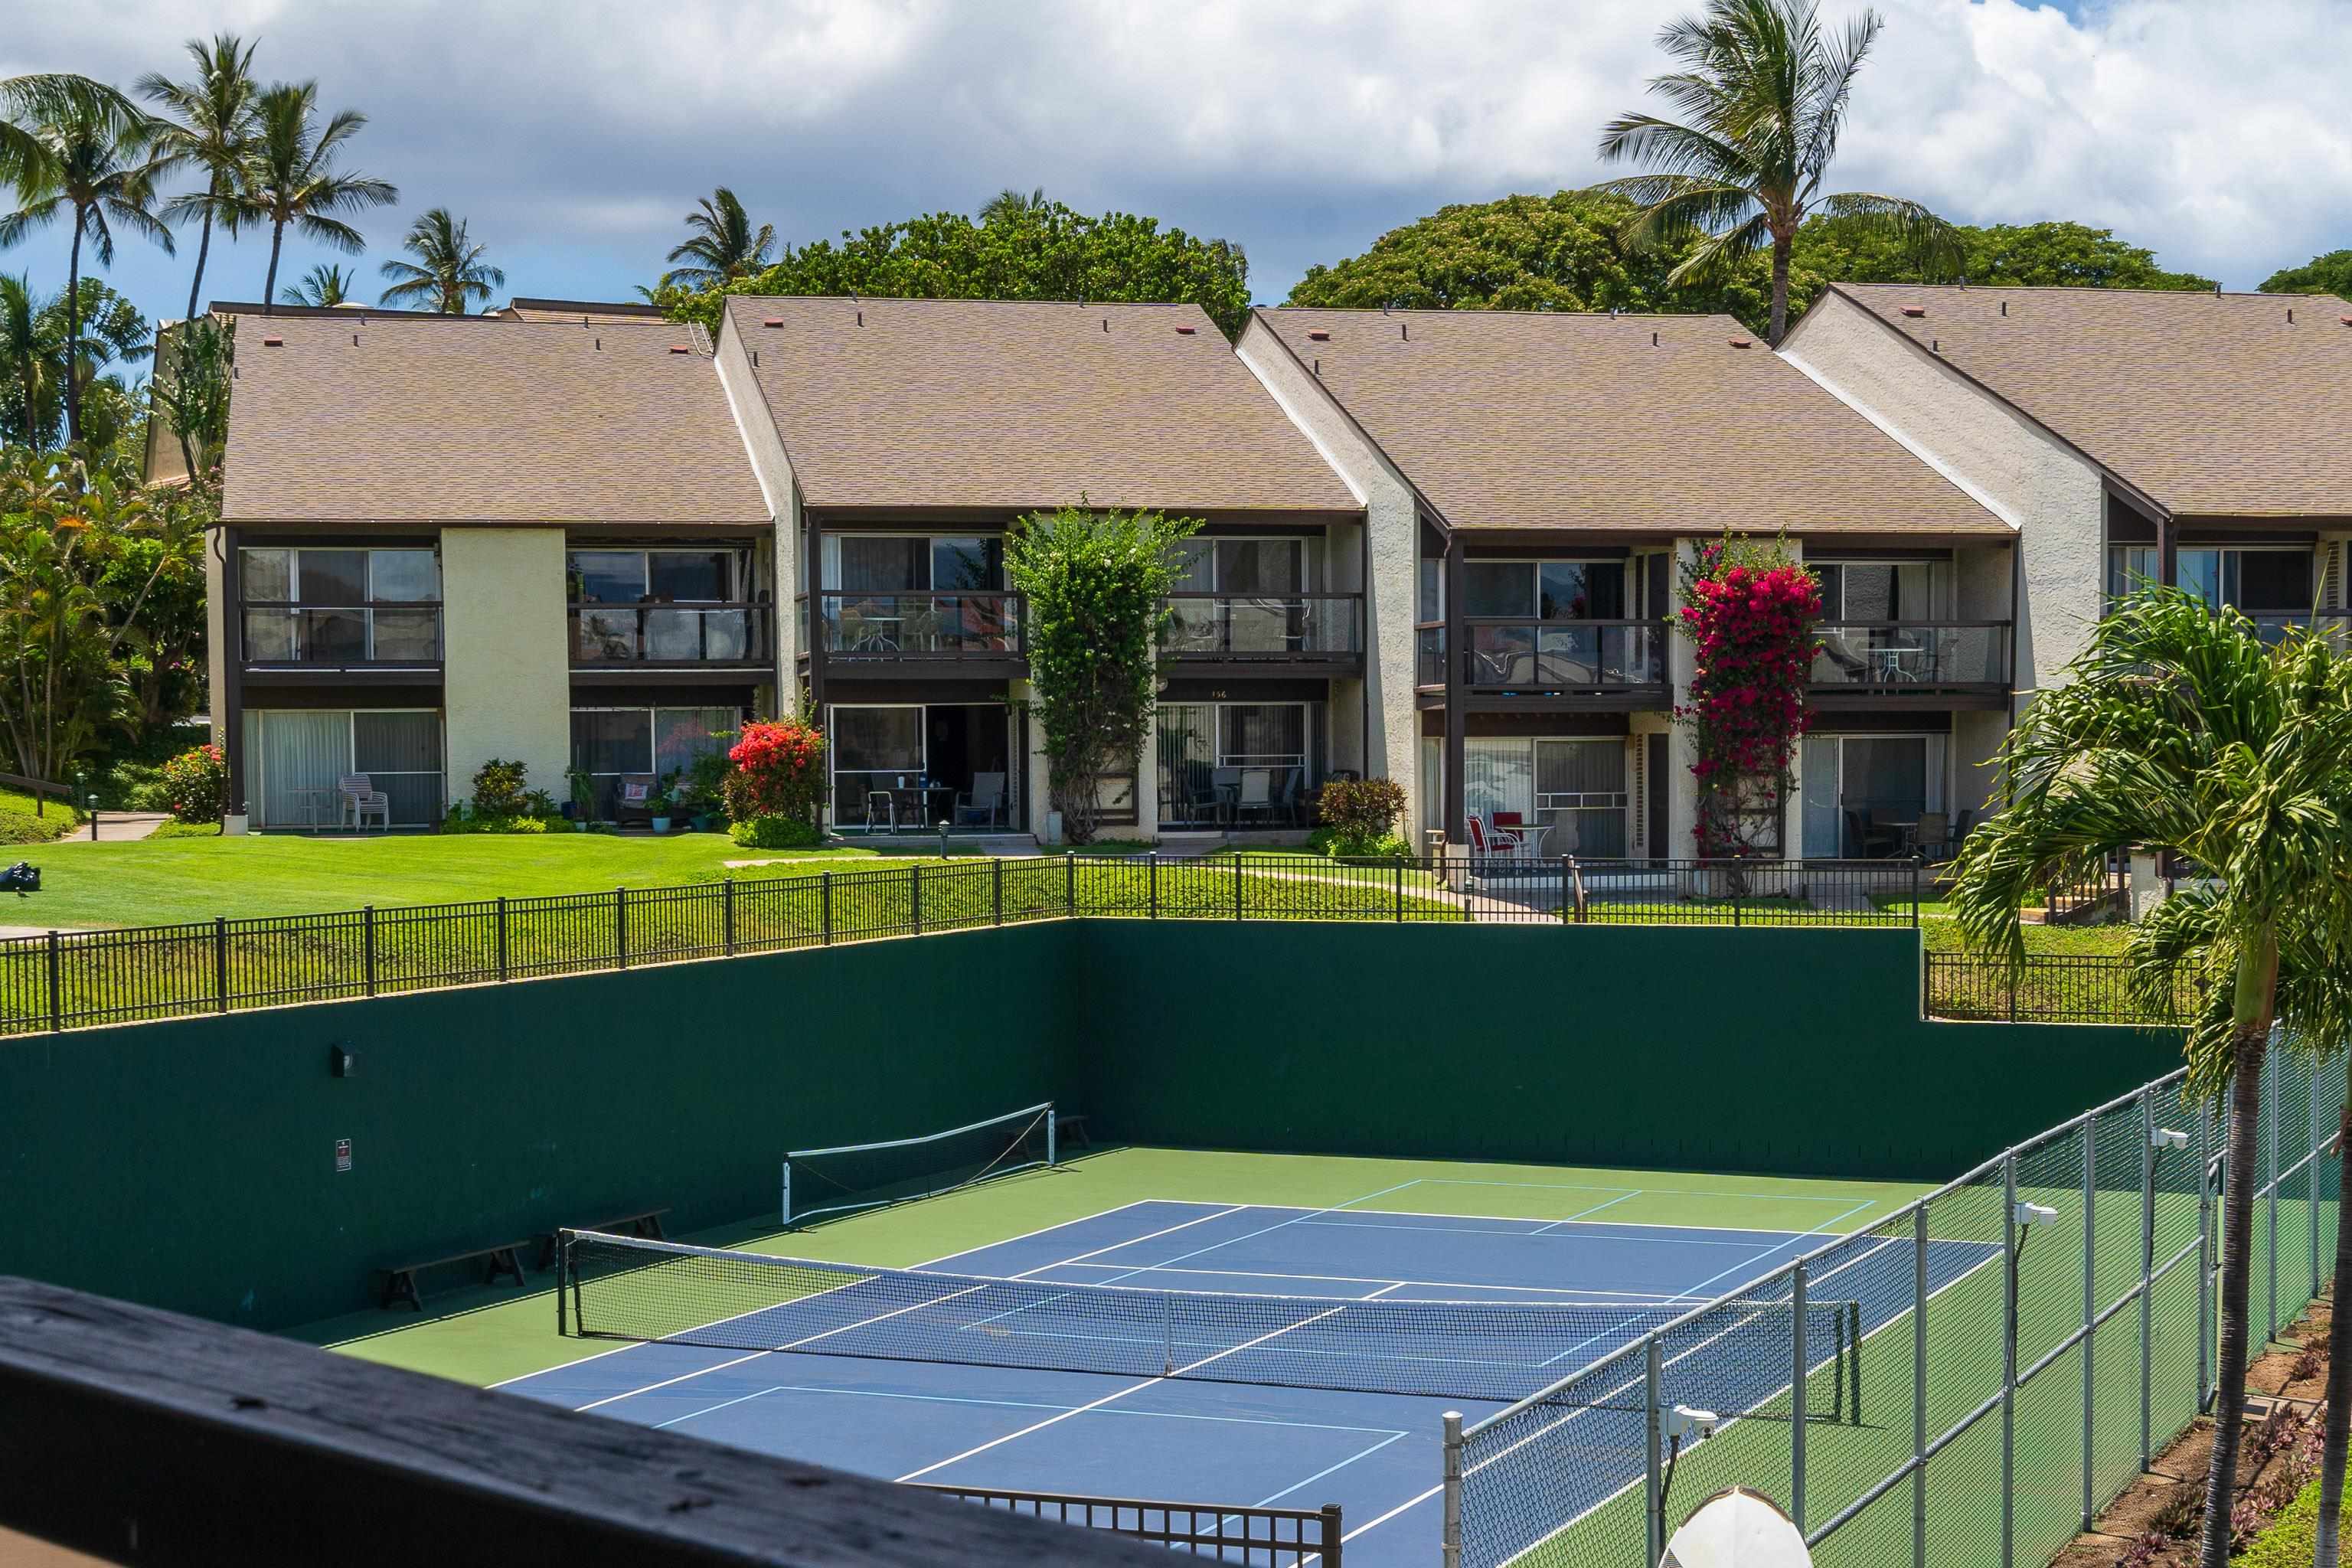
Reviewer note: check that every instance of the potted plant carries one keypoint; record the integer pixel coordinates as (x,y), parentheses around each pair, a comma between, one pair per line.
(663,800)
(582,805)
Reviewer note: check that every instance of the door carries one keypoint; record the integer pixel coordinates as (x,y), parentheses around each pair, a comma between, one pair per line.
(297,751)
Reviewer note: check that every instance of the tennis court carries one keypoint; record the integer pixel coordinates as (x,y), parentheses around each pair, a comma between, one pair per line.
(1314,1346)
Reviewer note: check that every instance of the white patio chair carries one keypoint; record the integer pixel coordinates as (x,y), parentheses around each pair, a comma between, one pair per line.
(359,796)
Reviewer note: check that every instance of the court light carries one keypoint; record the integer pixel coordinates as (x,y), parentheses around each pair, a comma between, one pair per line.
(2031,1215)
(1685,1424)
(2166,1138)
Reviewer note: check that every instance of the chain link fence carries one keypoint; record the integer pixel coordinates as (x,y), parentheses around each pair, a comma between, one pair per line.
(2029,1336)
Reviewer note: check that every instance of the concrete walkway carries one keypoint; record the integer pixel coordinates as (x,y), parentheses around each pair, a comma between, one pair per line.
(114,827)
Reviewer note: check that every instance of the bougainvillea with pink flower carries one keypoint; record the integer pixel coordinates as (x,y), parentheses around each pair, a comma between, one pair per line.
(1750,612)
(779,771)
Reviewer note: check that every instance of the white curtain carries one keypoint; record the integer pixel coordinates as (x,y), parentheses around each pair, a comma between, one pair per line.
(296,751)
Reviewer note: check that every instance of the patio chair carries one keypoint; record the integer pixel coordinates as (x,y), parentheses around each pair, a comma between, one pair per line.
(1870,841)
(359,796)
(1488,842)
(1203,800)
(1256,794)
(984,800)
(1933,836)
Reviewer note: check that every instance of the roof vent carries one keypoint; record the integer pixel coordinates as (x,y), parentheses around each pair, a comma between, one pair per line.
(1320,337)
(773,321)
(2345,320)
(273,342)
(1742,342)
(1186,331)
(677,348)
(1915,310)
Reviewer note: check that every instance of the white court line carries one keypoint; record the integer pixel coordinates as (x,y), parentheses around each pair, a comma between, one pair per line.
(1337,1307)
(1599,1187)
(1641,1298)
(641,1344)
(1596,1208)
(1025,1405)
(1559,1236)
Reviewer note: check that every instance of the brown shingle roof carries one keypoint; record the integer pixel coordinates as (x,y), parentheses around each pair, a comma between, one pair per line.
(1509,419)
(2212,405)
(597,312)
(456,421)
(1019,404)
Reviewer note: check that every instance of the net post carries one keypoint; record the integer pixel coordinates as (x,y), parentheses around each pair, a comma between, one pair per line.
(1853,1349)
(1450,1549)
(620,928)
(2146,1280)
(563,1276)
(1051,1147)
(784,1192)
(220,964)
(1653,1464)
(2009,1358)
(367,945)
(502,936)
(1168,1336)
(727,914)
(825,907)
(1332,1533)
(1918,1387)
(1798,1279)
(2090,1315)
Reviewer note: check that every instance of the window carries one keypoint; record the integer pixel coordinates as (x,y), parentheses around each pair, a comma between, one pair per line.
(1867,590)
(614,743)
(902,564)
(632,576)
(335,605)
(975,564)
(1430,597)
(2260,581)
(2131,566)
(1545,590)
(877,740)
(297,757)
(1204,749)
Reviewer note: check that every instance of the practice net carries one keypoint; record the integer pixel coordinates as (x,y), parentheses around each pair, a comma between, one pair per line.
(620,1287)
(854,1176)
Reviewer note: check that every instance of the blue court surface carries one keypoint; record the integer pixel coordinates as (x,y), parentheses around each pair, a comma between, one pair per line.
(1376,1454)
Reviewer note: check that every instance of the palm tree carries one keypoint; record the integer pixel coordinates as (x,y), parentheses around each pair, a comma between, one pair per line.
(324,285)
(290,176)
(26,102)
(1766,95)
(448,273)
(724,246)
(94,158)
(209,122)
(2181,731)
(29,359)
(1009,203)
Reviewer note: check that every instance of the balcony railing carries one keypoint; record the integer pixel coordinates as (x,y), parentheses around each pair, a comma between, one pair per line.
(1536,658)
(679,635)
(963,623)
(1262,626)
(1919,657)
(295,637)
(2335,625)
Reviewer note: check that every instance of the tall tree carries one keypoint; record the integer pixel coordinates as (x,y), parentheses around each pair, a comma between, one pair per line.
(324,285)
(1012,203)
(27,102)
(35,360)
(723,245)
(290,176)
(1765,94)
(208,121)
(2178,730)
(2050,255)
(448,273)
(97,160)
(2328,274)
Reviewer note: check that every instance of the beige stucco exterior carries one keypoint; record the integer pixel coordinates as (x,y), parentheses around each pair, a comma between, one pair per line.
(1384,709)
(774,469)
(508,686)
(2052,495)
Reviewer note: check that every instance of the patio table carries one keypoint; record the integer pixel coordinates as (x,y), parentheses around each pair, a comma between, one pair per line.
(312,799)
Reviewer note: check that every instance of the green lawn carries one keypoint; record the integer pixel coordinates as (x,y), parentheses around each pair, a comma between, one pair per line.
(21,823)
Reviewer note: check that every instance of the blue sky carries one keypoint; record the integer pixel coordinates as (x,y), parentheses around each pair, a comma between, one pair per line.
(573,137)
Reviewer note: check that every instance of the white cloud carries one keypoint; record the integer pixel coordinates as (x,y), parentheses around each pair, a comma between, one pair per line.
(573,136)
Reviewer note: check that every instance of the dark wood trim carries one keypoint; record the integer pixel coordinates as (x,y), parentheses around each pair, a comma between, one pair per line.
(338,536)
(812,643)
(1286,685)
(353,675)
(915,519)
(1276,666)
(1839,699)
(231,699)
(139,1435)
(669,674)
(1456,817)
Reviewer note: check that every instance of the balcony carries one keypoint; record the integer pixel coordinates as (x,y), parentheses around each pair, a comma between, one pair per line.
(975,624)
(1939,664)
(1511,664)
(2333,625)
(340,638)
(1290,632)
(670,636)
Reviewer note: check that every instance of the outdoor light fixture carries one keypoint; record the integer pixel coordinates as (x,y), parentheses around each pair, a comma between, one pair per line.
(2166,1138)
(2031,1215)
(1685,1424)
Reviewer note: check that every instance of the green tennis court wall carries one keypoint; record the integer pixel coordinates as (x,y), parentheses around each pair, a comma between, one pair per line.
(1786,1051)
(191,1164)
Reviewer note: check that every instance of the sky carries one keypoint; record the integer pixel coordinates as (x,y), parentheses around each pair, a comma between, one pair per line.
(573,137)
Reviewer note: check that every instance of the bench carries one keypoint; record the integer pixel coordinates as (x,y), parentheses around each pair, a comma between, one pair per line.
(645,1225)
(399,1282)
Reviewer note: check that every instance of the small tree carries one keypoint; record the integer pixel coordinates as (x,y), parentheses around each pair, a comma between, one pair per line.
(1750,612)
(1093,583)
(779,772)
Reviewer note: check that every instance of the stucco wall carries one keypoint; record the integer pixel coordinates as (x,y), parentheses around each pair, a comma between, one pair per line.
(774,469)
(216,635)
(1393,745)
(508,686)
(2053,496)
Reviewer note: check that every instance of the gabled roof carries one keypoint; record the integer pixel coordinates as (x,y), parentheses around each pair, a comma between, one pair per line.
(1514,420)
(1014,405)
(596,312)
(447,420)
(2210,404)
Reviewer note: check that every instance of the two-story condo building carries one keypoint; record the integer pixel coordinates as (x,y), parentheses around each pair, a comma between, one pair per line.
(450,538)
(1537,484)
(896,440)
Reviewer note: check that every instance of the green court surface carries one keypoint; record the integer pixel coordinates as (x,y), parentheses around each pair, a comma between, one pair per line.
(491,1334)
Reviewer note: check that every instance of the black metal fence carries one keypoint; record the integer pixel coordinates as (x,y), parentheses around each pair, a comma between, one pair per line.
(1271,1537)
(65,979)
(2050,988)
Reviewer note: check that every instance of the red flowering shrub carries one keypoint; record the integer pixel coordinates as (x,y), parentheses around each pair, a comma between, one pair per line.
(779,771)
(1750,613)
(195,785)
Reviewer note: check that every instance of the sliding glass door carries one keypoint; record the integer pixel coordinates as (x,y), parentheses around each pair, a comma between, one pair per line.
(1863,793)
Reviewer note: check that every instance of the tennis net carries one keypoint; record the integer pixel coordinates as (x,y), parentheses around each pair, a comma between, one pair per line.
(851,1177)
(620,1287)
